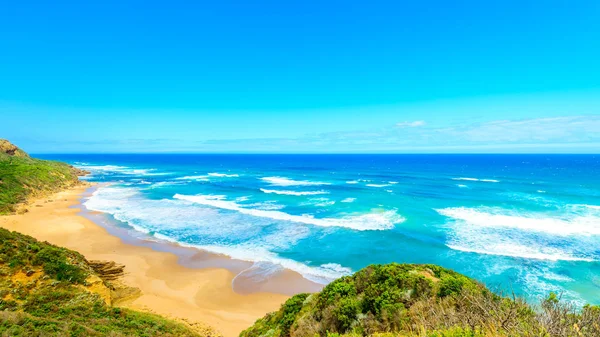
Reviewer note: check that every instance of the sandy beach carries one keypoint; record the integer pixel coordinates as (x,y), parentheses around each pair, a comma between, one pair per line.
(167,287)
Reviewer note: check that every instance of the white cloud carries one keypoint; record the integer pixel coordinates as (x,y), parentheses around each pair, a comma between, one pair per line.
(519,135)
(413,124)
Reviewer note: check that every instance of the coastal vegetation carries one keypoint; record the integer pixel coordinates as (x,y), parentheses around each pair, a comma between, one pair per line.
(406,300)
(23,177)
(47,290)
(51,291)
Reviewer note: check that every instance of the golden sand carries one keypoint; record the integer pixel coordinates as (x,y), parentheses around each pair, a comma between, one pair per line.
(167,288)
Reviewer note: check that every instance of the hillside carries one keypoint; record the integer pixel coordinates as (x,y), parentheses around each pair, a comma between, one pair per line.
(50,291)
(23,177)
(420,300)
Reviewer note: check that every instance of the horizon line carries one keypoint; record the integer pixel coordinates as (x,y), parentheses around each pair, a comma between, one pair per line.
(320,153)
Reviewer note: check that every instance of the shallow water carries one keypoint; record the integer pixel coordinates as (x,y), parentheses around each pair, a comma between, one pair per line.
(529,223)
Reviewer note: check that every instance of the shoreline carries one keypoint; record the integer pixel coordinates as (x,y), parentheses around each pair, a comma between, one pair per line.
(175,281)
(281,281)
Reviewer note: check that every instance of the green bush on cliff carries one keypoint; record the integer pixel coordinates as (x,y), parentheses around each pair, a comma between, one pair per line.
(398,300)
(22,177)
(44,292)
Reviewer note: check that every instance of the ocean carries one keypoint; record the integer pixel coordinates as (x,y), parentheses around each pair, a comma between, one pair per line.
(528,224)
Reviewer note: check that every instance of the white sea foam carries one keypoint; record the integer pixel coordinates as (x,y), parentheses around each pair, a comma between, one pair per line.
(270,205)
(293,192)
(282,181)
(516,250)
(321,202)
(165,183)
(594,207)
(348,200)
(377,185)
(199,178)
(392,182)
(103,169)
(539,282)
(570,234)
(570,224)
(370,221)
(242,199)
(188,224)
(352,182)
(107,168)
(322,274)
(223,175)
(462,186)
(476,179)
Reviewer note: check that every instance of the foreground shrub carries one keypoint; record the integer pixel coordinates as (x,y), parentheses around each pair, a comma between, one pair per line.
(43,293)
(406,300)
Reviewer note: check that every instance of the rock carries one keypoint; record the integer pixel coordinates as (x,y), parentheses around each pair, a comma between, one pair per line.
(11,149)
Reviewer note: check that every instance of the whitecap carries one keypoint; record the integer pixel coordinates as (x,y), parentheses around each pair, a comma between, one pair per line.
(377,185)
(198,178)
(516,250)
(103,169)
(293,192)
(572,234)
(569,224)
(188,224)
(381,220)
(319,202)
(476,179)
(165,183)
(223,175)
(282,181)
(348,200)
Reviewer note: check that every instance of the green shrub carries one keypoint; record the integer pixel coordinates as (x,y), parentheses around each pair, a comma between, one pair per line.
(56,265)
(56,304)
(407,300)
(21,177)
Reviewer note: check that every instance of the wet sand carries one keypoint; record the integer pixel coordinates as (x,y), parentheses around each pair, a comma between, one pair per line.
(175,281)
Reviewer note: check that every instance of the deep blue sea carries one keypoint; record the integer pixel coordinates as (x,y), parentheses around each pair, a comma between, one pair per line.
(529,223)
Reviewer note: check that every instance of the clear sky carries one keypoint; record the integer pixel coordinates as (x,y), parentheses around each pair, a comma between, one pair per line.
(301,76)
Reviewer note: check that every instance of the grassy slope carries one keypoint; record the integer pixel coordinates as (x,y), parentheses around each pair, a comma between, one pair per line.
(420,300)
(24,177)
(50,291)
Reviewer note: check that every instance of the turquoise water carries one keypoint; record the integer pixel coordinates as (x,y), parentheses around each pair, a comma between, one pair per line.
(529,223)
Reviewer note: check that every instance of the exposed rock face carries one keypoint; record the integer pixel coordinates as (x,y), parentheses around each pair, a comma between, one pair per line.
(11,150)
(80,172)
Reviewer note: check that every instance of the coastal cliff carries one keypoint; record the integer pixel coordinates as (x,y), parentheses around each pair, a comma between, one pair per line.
(23,178)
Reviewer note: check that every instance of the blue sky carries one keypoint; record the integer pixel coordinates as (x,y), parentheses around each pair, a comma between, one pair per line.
(277,76)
